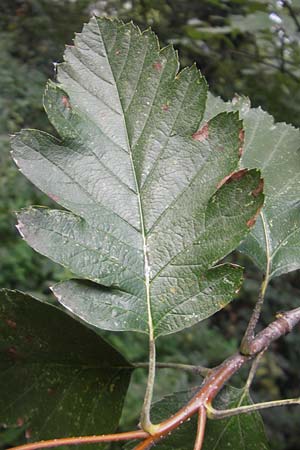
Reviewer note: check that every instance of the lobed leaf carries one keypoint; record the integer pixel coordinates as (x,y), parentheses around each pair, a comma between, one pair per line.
(57,377)
(152,204)
(274,243)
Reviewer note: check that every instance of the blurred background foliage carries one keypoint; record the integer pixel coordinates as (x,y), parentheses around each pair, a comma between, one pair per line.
(250,47)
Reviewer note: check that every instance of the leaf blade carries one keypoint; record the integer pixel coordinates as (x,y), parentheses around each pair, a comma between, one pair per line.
(135,175)
(50,364)
(274,148)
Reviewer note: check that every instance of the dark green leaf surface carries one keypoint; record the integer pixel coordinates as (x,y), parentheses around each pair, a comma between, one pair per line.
(244,432)
(274,243)
(147,216)
(56,375)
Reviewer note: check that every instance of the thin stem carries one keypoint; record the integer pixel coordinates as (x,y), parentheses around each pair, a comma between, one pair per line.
(138,434)
(260,60)
(197,370)
(145,445)
(201,428)
(249,334)
(250,331)
(281,50)
(221,414)
(292,13)
(251,376)
(145,420)
(211,386)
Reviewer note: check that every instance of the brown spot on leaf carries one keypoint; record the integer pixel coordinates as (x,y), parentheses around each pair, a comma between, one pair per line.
(65,102)
(51,391)
(242,136)
(201,134)
(251,222)
(20,422)
(54,197)
(28,433)
(165,107)
(11,323)
(157,66)
(259,188)
(242,140)
(233,176)
(13,353)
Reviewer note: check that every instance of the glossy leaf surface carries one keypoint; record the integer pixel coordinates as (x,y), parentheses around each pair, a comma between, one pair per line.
(57,377)
(150,205)
(274,243)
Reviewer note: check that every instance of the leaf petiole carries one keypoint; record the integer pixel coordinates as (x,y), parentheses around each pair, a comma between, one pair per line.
(250,331)
(213,413)
(197,370)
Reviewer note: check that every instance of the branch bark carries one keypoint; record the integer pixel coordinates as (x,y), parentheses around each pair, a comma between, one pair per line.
(202,415)
(202,400)
(128,436)
(212,385)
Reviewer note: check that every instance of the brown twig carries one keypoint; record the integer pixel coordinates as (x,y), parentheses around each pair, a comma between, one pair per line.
(128,436)
(251,376)
(250,331)
(201,428)
(203,399)
(221,374)
(293,15)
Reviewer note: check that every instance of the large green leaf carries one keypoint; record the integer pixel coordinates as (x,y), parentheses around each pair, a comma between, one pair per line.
(243,432)
(147,216)
(57,377)
(274,243)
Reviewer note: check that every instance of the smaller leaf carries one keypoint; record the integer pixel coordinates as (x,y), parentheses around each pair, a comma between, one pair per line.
(57,376)
(273,243)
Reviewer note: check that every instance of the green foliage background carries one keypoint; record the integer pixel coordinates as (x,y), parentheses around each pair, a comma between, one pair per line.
(244,46)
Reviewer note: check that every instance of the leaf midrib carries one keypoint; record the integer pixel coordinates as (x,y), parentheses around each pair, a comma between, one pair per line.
(138,194)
